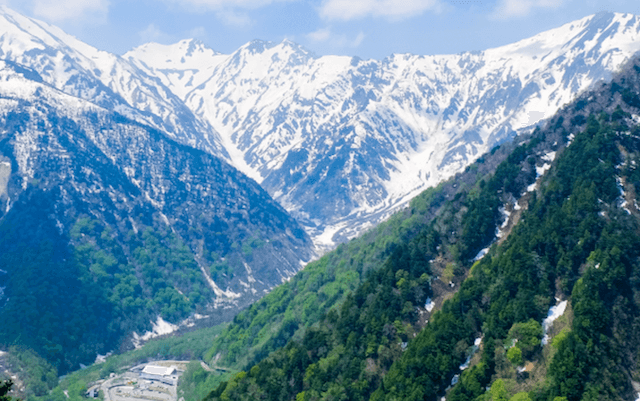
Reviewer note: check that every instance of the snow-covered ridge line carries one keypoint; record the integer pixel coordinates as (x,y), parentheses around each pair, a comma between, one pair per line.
(103,78)
(374,133)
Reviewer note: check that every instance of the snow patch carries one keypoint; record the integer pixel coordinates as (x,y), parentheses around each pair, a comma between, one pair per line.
(500,230)
(5,173)
(549,156)
(325,240)
(472,352)
(102,358)
(228,294)
(159,328)
(623,203)
(541,170)
(554,313)
(481,254)
(429,305)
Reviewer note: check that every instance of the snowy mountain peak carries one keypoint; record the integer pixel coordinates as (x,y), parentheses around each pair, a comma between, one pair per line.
(105,79)
(373,133)
(602,29)
(186,52)
(370,133)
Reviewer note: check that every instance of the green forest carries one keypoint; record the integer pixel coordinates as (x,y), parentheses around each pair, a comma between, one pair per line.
(573,241)
(451,297)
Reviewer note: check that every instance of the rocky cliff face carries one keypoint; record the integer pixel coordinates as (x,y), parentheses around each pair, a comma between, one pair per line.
(341,142)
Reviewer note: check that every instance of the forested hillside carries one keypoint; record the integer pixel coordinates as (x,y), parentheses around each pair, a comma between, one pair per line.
(324,284)
(562,216)
(108,229)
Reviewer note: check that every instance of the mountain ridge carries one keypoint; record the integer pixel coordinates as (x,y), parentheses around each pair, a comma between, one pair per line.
(76,68)
(122,225)
(548,310)
(303,125)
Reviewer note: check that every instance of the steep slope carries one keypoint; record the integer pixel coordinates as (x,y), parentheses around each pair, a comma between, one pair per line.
(294,306)
(376,133)
(108,227)
(562,212)
(102,78)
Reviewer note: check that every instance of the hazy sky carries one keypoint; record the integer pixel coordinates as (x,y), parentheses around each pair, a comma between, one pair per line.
(364,28)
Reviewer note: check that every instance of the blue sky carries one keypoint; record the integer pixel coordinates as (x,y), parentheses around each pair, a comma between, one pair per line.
(364,28)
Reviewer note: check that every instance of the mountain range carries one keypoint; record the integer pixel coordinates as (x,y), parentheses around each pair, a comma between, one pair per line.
(518,279)
(175,184)
(109,228)
(371,133)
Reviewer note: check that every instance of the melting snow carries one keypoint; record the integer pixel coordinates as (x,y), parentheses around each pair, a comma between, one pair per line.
(550,156)
(499,232)
(429,305)
(481,254)
(325,240)
(474,349)
(541,170)
(623,195)
(554,313)
(160,328)
(102,358)
(5,173)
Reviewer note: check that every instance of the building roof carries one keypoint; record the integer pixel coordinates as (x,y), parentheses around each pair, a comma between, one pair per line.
(159,370)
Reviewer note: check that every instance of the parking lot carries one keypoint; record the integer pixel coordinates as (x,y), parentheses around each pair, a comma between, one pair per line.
(155,381)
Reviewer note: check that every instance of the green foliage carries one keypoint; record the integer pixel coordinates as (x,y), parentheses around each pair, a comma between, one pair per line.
(5,387)
(528,335)
(364,331)
(196,382)
(53,305)
(498,391)
(291,308)
(572,239)
(514,354)
(348,353)
(520,397)
(36,373)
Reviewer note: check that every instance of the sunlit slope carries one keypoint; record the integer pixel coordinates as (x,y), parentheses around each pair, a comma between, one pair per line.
(562,214)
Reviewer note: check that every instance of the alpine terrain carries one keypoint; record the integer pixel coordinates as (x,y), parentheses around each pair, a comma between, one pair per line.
(374,134)
(174,187)
(109,228)
(518,279)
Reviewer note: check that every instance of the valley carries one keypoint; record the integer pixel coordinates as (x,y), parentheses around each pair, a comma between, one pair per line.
(178,224)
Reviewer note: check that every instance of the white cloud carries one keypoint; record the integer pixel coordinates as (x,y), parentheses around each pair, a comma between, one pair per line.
(197,32)
(325,35)
(71,10)
(394,9)
(154,34)
(521,8)
(217,5)
(233,18)
(321,35)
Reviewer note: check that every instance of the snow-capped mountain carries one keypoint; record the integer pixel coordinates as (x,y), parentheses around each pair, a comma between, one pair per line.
(341,142)
(108,225)
(102,78)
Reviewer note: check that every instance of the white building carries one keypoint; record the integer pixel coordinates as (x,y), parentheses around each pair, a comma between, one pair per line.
(160,373)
